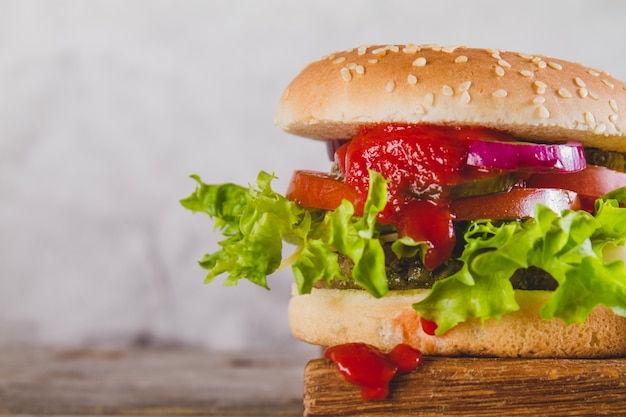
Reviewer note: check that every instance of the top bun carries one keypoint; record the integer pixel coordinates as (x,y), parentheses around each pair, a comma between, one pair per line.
(528,96)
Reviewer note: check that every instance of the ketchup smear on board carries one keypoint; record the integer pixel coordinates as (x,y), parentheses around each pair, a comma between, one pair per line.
(370,368)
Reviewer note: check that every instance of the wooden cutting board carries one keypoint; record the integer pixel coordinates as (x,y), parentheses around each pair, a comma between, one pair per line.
(478,387)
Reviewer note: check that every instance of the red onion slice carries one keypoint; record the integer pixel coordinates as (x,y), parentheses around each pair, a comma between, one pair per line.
(525,156)
(332,146)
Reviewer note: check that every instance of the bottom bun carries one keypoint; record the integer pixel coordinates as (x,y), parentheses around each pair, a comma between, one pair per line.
(329,317)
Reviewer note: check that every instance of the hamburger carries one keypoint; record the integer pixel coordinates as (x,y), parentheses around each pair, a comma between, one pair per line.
(472,206)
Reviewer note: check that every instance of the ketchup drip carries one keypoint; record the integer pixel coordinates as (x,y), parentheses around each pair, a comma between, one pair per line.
(429,327)
(370,368)
(421,162)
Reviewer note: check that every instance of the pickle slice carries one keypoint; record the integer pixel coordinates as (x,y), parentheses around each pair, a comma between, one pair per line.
(608,159)
(490,185)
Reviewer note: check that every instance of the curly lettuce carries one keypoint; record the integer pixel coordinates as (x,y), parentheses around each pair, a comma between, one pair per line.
(567,246)
(256,221)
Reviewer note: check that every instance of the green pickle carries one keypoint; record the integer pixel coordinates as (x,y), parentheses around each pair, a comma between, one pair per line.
(612,160)
(490,185)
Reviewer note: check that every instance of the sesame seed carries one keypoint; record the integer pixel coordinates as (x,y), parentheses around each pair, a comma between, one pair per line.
(600,128)
(460,59)
(504,63)
(613,118)
(499,70)
(362,50)
(579,82)
(360,69)
(339,60)
(536,60)
(372,61)
(465,97)
(593,95)
(589,119)
(464,86)
(500,93)
(391,85)
(345,74)
(613,105)
(436,48)
(542,64)
(411,79)
(564,92)
(351,66)
(448,49)
(496,55)
(539,100)
(527,73)
(593,72)
(447,91)
(543,112)
(380,51)
(410,49)
(419,62)
(608,83)
(540,87)
(525,56)
(393,48)
(582,92)
(555,65)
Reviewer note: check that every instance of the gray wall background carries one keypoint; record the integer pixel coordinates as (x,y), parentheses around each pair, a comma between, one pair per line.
(106,107)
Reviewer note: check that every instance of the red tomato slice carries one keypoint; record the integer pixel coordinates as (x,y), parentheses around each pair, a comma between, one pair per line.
(516,204)
(593,181)
(321,191)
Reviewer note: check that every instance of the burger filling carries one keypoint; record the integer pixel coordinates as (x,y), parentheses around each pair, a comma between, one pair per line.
(430,163)
(470,213)
(437,175)
(410,274)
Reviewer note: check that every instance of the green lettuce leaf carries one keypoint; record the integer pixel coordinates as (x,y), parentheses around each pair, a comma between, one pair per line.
(257,220)
(357,238)
(567,246)
(254,221)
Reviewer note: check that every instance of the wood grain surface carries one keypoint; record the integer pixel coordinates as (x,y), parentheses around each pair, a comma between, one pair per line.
(150,383)
(478,387)
(176,382)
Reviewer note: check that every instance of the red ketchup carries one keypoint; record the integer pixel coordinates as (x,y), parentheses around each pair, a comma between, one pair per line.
(370,368)
(421,163)
(429,327)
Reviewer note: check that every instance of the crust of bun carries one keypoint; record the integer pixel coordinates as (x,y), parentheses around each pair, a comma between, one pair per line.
(328,317)
(529,96)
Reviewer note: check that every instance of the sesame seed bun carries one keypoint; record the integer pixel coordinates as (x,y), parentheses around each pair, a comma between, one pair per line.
(329,317)
(529,96)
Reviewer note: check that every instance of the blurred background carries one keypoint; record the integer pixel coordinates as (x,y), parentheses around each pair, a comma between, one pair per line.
(107,107)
